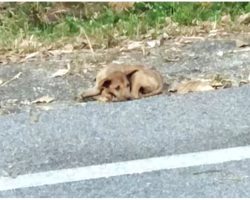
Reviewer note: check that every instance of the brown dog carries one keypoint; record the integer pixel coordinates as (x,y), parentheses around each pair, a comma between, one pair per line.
(146,82)
(123,82)
(112,84)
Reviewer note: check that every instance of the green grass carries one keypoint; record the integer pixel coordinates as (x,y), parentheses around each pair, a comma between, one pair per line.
(22,21)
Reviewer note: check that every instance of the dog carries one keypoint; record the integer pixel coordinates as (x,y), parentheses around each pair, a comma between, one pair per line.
(118,82)
(112,84)
(146,82)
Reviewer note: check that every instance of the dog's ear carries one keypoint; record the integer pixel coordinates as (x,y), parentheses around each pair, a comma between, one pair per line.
(130,72)
(106,83)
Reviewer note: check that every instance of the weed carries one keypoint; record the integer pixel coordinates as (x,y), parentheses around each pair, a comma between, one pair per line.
(52,23)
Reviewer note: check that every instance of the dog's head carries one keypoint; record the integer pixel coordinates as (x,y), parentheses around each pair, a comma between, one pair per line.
(118,85)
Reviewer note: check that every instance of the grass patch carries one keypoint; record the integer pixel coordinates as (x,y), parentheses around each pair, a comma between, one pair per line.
(33,25)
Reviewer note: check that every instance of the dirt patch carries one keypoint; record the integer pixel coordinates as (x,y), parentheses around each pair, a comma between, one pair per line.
(176,59)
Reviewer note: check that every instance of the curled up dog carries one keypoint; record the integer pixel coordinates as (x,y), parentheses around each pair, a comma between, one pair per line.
(124,82)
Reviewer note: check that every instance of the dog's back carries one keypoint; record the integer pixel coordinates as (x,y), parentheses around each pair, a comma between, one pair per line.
(111,68)
(146,82)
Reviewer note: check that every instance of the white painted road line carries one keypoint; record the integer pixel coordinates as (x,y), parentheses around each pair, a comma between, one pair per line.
(125,168)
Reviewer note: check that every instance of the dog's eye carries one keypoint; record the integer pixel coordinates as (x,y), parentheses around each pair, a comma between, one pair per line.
(118,87)
(128,85)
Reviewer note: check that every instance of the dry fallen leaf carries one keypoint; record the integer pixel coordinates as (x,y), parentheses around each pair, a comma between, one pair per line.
(185,41)
(241,43)
(193,86)
(12,59)
(168,59)
(154,43)
(246,49)
(216,83)
(3,60)
(68,47)
(134,45)
(61,72)
(216,32)
(243,82)
(43,99)
(65,50)
(221,82)
(12,79)
(32,55)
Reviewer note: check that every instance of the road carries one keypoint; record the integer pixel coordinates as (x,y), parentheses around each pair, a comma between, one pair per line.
(193,145)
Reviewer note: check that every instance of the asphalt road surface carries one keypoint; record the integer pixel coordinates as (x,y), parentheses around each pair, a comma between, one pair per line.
(193,145)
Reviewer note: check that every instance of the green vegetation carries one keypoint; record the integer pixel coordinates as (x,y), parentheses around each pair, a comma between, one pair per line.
(45,23)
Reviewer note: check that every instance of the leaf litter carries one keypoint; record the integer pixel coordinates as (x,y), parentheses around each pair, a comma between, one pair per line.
(43,99)
(242,43)
(12,79)
(61,72)
(184,87)
(192,86)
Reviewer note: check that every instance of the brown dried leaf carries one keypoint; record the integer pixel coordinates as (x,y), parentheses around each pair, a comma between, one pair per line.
(216,83)
(12,79)
(43,99)
(240,50)
(220,82)
(185,41)
(13,59)
(243,82)
(32,55)
(3,61)
(241,43)
(168,59)
(217,32)
(193,86)
(134,45)
(66,49)
(61,72)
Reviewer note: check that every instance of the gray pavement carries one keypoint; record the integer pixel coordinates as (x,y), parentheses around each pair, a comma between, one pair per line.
(96,133)
(229,180)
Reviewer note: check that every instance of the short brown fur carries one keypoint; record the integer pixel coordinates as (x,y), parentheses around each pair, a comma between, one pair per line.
(123,82)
